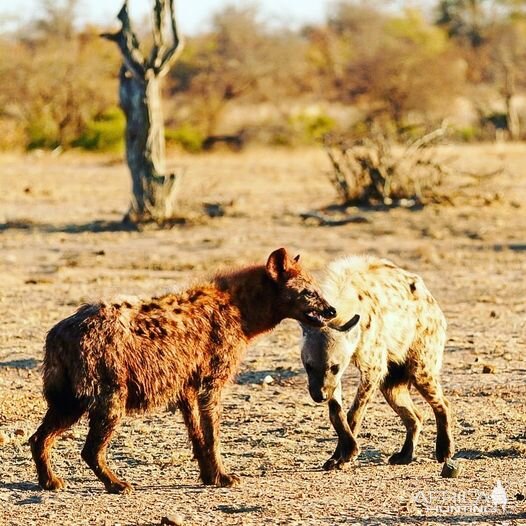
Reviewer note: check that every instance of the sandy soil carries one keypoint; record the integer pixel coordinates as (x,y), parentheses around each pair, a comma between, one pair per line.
(60,245)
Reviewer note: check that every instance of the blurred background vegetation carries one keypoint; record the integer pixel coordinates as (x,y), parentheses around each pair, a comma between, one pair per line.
(246,80)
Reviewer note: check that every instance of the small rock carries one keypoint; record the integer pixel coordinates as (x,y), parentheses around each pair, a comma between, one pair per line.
(19,432)
(4,439)
(268,380)
(172,520)
(493,314)
(450,469)
(488,369)
(214,209)
(407,203)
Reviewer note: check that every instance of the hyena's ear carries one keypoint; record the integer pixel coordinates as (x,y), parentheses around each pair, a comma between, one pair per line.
(279,265)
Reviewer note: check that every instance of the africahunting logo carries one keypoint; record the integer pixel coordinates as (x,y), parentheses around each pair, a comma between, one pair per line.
(468,501)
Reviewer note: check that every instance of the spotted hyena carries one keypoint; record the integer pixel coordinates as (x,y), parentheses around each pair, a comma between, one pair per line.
(109,359)
(393,330)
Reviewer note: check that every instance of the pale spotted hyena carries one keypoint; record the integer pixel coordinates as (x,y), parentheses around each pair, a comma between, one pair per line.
(393,330)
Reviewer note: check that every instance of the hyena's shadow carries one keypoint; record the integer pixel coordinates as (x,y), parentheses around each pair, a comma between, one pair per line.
(475,454)
(19,486)
(370,455)
(28,363)
(21,490)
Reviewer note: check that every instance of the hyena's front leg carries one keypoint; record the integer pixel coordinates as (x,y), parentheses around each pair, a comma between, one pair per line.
(212,469)
(369,383)
(347,449)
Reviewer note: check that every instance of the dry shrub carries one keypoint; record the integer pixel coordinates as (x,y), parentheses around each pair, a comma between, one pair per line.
(372,171)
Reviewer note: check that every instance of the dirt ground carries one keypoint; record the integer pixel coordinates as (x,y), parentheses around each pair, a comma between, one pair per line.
(61,245)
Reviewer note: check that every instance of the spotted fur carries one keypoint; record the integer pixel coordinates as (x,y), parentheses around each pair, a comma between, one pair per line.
(397,343)
(110,359)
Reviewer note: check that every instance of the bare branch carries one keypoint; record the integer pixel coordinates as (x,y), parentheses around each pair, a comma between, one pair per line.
(172,53)
(324,220)
(427,139)
(128,44)
(337,175)
(159,40)
(483,175)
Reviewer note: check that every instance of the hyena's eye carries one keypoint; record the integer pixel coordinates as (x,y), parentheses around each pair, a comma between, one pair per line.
(335,369)
(306,293)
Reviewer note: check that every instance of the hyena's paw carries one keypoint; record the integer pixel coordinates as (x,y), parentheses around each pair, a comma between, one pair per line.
(227,480)
(339,462)
(400,458)
(52,484)
(330,464)
(119,487)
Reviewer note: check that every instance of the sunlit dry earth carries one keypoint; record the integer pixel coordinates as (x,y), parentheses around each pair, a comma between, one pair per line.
(61,244)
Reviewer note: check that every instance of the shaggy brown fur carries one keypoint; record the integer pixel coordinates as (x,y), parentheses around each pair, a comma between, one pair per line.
(112,359)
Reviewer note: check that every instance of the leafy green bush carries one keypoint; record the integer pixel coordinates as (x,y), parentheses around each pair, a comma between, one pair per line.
(186,136)
(42,132)
(468,134)
(313,127)
(105,132)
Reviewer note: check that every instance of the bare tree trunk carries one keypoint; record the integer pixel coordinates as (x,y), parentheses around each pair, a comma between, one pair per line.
(512,116)
(508,91)
(154,191)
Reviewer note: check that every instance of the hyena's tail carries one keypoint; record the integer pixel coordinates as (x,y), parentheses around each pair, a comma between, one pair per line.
(62,370)
(64,385)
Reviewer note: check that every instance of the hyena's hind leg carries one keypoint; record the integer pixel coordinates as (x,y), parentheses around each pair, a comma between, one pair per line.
(429,387)
(59,418)
(395,389)
(104,417)
(189,407)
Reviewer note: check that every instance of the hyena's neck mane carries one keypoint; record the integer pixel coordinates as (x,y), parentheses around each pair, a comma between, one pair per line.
(255,295)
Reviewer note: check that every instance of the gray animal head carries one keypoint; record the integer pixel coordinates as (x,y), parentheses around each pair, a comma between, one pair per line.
(326,353)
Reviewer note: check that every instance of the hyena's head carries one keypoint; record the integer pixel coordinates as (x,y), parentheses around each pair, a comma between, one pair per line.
(298,296)
(325,354)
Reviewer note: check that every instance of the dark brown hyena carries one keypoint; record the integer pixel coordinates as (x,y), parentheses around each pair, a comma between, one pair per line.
(111,359)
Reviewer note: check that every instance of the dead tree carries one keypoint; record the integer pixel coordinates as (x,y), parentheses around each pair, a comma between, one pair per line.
(154,191)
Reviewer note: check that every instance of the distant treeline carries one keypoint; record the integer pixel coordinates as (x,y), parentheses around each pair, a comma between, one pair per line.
(245,78)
